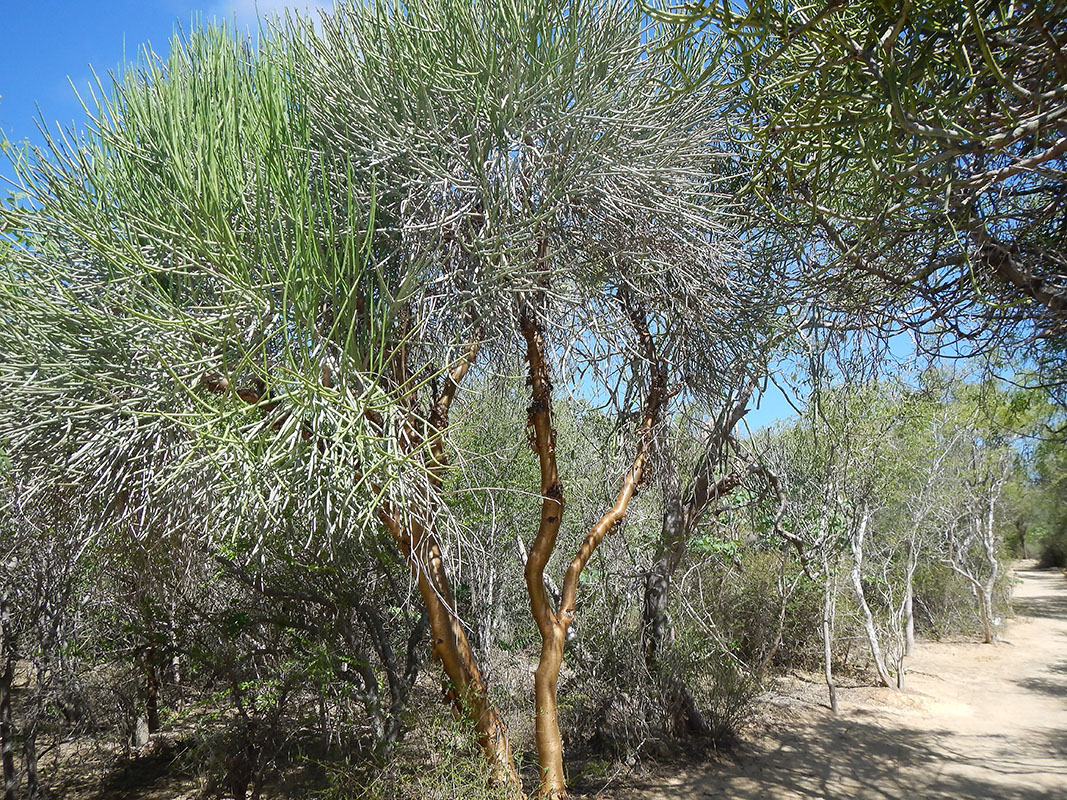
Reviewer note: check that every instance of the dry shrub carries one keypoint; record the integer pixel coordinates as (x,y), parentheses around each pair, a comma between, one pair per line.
(439,759)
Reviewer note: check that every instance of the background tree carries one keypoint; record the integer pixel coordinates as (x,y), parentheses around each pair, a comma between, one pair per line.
(918,148)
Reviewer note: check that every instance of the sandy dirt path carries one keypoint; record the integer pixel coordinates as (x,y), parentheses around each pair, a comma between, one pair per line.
(976,721)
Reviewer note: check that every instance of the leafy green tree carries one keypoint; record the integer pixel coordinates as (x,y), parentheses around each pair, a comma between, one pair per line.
(915,150)
(1047,516)
(253,288)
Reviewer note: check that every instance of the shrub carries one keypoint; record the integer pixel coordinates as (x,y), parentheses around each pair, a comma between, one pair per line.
(439,760)
(1053,552)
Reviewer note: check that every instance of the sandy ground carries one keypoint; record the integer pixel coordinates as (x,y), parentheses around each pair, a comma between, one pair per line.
(975,721)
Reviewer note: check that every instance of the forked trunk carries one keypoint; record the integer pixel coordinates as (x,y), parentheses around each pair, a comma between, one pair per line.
(554,623)
(680,516)
(861,598)
(657,627)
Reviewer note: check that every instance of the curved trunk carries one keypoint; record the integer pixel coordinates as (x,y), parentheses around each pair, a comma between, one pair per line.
(422,549)
(450,647)
(554,624)
(861,598)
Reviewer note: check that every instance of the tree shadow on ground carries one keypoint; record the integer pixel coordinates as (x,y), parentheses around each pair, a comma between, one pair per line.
(1054,687)
(850,759)
(1051,603)
(156,774)
(1056,743)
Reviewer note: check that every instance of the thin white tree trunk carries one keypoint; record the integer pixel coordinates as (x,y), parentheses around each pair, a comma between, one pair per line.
(909,614)
(857,588)
(985,613)
(906,637)
(829,600)
(990,543)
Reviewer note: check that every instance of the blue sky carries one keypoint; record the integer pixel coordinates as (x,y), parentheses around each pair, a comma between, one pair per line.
(49,44)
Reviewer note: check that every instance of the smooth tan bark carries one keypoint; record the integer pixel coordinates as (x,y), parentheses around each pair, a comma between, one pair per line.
(450,646)
(553,633)
(554,623)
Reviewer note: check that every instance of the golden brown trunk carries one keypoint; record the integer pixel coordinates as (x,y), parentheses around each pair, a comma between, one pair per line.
(553,624)
(553,633)
(450,646)
(423,551)
(546,723)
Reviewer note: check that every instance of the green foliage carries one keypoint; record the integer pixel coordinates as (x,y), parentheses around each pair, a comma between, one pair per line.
(1045,515)
(911,153)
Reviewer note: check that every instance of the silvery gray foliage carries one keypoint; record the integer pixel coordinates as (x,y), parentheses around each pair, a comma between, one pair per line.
(237,287)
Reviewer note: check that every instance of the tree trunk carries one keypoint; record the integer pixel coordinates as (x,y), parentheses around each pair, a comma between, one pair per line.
(7,680)
(451,648)
(422,548)
(985,613)
(403,691)
(553,624)
(175,658)
(679,517)
(659,633)
(857,588)
(905,625)
(656,625)
(986,598)
(7,728)
(828,602)
(152,690)
(785,592)
(909,612)
(29,749)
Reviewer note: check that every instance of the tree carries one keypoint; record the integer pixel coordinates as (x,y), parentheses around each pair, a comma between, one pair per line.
(865,479)
(41,631)
(686,505)
(917,152)
(989,425)
(286,286)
